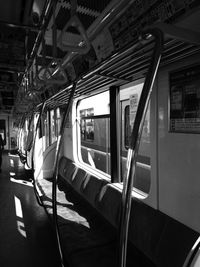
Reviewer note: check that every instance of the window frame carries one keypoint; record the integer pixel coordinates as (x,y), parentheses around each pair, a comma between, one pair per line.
(78,157)
(115,123)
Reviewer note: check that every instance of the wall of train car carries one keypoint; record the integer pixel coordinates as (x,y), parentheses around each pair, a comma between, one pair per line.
(178,153)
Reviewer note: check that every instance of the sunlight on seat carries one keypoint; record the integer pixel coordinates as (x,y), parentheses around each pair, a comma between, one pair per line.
(22,182)
(12,173)
(13,155)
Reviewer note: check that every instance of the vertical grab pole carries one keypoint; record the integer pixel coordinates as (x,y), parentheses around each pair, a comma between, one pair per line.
(55,173)
(135,141)
(33,151)
(192,253)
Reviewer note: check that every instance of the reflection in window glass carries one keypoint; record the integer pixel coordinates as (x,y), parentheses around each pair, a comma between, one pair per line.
(127,130)
(129,98)
(87,125)
(46,128)
(30,135)
(58,122)
(53,128)
(94,127)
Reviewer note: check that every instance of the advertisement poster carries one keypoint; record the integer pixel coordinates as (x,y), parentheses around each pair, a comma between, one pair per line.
(185,100)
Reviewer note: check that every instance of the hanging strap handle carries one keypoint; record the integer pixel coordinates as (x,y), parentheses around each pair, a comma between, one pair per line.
(75,22)
(46,71)
(42,70)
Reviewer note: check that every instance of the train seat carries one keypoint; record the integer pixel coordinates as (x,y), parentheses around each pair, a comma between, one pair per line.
(88,216)
(175,243)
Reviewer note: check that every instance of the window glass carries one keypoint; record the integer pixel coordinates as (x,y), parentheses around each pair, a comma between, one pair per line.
(129,99)
(24,135)
(53,126)
(127,126)
(94,130)
(29,142)
(46,128)
(58,122)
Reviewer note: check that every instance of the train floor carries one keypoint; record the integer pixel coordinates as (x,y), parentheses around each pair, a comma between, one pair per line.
(26,235)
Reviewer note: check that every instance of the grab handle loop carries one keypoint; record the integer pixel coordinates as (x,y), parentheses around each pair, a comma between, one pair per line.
(75,22)
(44,75)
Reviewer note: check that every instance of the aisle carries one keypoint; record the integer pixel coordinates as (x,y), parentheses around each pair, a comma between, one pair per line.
(26,236)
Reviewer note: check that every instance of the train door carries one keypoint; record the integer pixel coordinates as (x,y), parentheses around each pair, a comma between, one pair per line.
(145,182)
(129,99)
(3,129)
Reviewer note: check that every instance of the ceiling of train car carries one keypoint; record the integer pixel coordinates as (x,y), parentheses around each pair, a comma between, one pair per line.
(26,30)
(21,22)
(17,28)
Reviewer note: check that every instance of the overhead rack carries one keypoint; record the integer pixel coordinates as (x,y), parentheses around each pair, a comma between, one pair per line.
(123,67)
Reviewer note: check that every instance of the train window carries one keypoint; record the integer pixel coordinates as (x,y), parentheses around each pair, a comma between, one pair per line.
(46,128)
(87,125)
(58,121)
(94,130)
(25,134)
(29,142)
(129,98)
(52,126)
(127,127)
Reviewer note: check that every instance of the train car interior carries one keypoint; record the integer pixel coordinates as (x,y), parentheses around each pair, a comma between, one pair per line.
(99,133)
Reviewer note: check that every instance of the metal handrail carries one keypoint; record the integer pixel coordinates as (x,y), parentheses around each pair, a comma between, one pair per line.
(192,253)
(33,152)
(44,23)
(135,141)
(55,173)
